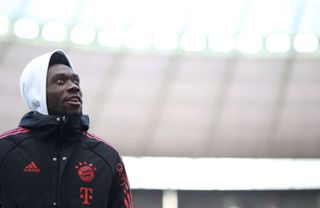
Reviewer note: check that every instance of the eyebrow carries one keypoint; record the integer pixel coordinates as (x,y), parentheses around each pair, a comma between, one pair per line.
(73,75)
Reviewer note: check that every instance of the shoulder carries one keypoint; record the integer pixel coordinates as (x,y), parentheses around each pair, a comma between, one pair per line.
(14,136)
(97,142)
(10,139)
(102,148)
(13,132)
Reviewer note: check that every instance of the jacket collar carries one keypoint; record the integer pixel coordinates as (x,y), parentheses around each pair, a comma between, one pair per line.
(44,125)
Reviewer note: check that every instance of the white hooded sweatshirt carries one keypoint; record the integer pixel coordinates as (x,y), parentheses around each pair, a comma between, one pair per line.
(33,79)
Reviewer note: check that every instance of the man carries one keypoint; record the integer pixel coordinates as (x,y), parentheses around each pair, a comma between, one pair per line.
(51,160)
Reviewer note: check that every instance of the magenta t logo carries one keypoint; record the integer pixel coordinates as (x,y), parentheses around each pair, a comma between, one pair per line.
(86,195)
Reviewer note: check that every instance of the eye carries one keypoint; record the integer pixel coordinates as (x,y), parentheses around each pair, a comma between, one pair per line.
(76,81)
(60,81)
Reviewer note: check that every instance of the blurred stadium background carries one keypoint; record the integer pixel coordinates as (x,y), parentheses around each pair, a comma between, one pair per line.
(212,103)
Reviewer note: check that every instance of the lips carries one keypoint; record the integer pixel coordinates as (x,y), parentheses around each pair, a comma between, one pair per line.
(74,101)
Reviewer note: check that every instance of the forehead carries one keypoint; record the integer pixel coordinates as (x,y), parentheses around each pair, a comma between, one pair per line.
(60,69)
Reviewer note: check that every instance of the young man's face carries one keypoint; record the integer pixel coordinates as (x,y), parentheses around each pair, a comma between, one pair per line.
(64,96)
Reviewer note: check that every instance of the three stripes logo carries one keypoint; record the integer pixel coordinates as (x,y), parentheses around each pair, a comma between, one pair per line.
(31,168)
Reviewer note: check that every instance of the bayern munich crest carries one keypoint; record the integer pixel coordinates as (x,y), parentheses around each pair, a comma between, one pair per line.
(86,171)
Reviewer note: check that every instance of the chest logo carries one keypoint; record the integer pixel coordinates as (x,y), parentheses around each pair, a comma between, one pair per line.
(86,195)
(85,171)
(31,168)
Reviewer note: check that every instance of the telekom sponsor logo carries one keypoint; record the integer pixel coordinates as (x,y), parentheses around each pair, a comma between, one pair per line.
(86,195)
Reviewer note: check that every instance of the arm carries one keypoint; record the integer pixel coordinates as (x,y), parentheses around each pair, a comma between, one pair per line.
(120,195)
(0,198)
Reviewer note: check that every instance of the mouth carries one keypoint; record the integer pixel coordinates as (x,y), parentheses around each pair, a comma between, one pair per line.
(75,101)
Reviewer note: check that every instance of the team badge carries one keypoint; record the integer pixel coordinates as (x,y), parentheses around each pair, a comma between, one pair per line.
(85,171)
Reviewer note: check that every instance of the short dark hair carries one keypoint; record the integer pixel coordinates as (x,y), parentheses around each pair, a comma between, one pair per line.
(59,57)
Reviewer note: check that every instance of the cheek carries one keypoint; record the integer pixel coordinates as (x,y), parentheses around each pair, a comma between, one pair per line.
(53,98)
(50,101)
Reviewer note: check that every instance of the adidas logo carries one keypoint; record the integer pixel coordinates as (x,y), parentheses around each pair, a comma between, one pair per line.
(31,167)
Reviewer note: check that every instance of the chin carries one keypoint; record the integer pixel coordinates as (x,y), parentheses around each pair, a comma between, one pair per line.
(74,113)
(66,112)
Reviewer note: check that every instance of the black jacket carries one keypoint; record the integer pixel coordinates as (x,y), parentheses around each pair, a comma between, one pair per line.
(52,161)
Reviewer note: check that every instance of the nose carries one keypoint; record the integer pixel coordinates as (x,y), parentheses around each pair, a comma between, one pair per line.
(73,87)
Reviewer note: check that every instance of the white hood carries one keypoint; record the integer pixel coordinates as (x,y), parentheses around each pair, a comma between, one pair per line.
(33,79)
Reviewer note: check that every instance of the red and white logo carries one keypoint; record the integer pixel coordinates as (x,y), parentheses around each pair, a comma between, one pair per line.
(31,167)
(85,171)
